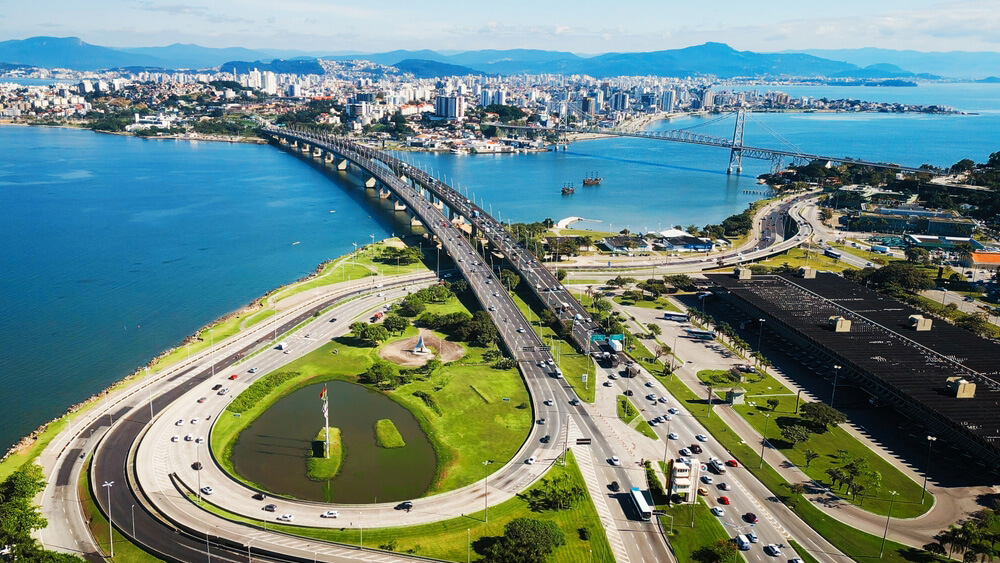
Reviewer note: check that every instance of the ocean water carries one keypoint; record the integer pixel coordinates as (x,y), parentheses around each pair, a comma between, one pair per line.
(116,248)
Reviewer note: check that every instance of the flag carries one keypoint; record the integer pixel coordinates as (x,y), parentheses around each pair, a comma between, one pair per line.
(322,394)
(325,411)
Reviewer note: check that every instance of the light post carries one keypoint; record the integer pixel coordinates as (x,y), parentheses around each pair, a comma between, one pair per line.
(673,354)
(892,497)
(763,440)
(760,334)
(468,545)
(927,468)
(836,376)
(486,490)
(133,521)
(111,536)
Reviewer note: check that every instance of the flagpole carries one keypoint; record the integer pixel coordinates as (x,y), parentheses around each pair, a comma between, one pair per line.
(326,424)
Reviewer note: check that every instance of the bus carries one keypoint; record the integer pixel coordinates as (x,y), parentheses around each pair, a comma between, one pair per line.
(679,317)
(701,334)
(833,253)
(639,500)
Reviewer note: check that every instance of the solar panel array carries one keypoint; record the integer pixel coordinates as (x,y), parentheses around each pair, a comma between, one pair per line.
(880,342)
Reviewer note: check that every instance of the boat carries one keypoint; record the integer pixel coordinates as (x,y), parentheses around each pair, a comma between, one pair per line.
(333,211)
(568,189)
(593,180)
(296,242)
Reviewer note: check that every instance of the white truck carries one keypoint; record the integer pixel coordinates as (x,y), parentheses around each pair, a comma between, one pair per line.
(615,345)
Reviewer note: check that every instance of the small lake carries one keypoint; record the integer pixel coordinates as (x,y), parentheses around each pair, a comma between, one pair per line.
(272,450)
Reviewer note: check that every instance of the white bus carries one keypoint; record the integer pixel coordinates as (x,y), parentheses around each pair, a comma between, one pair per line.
(678,317)
(701,334)
(639,500)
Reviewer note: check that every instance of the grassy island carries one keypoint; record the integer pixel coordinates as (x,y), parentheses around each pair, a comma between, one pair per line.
(319,467)
(386,434)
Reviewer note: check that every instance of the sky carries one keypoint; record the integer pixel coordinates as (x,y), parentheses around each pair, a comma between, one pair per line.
(580,26)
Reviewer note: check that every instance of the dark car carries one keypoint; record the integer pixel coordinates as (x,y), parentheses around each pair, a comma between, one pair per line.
(695,448)
(614,486)
(216,387)
(196,466)
(405,505)
(271,507)
(545,439)
(750,517)
(258,496)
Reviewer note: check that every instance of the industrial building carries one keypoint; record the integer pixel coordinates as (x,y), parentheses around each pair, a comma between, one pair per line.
(936,374)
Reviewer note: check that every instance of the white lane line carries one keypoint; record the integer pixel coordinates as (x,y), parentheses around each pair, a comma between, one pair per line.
(586,463)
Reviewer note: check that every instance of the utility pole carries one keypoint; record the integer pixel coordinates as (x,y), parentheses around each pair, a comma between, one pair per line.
(763,440)
(892,497)
(111,536)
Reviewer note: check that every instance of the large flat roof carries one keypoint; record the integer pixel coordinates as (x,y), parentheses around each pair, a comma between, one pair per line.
(916,364)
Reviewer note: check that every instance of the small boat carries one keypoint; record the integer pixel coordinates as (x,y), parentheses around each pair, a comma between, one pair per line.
(296,242)
(593,180)
(568,189)
(333,211)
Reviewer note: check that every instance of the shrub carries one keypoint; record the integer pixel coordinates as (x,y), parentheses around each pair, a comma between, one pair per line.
(259,389)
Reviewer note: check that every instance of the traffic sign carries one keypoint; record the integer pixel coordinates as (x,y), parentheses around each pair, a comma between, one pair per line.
(616,337)
(600,337)
(544,348)
(584,378)
(528,348)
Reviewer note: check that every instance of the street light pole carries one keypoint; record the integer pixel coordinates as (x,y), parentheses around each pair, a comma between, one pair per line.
(111,536)
(892,497)
(763,440)
(927,468)
(486,490)
(836,376)
(760,334)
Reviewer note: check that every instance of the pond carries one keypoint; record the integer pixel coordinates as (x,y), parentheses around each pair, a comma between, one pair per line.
(272,451)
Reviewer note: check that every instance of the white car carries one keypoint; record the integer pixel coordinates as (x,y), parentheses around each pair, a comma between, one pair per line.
(701,438)
(179,422)
(175,438)
(330,514)
(717,511)
(615,460)
(684,452)
(530,460)
(206,490)
(649,384)
(725,487)
(188,438)
(194,421)
(707,479)
(547,402)
(199,440)
(772,550)
(662,400)
(521,330)
(285,518)
(672,435)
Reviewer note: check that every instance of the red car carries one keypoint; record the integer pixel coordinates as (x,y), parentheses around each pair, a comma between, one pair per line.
(750,517)
(234,376)
(723,500)
(732,463)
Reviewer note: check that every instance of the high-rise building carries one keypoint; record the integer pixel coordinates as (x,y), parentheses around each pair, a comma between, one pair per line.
(500,97)
(254,79)
(450,107)
(668,101)
(269,83)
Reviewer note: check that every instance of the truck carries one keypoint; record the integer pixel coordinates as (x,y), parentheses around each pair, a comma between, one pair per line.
(281,346)
(376,316)
(475,214)
(880,248)
(716,466)
(615,345)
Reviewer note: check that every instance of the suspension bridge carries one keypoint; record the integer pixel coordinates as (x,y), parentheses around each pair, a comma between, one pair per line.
(737,149)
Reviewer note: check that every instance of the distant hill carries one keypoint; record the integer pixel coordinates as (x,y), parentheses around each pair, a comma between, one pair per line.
(69,52)
(194,56)
(952,64)
(390,58)
(422,68)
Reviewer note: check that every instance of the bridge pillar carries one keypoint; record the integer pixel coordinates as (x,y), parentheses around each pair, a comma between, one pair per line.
(341,163)
(370,182)
(327,157)
(439,204)
(398,205)
(414,222)
(384,193)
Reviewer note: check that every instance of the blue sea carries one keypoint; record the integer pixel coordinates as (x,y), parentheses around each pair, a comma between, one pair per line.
(116,248)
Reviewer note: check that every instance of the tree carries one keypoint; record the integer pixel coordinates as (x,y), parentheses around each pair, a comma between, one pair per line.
(395,323)
(900,274)
(561,274)
(917,255)
(19,517)
(976,323)
(525,540)
(459,286)
(773,403)
(795,433)
(411,306)
(381,373)
(718,552)
(810,456)
(826,214)
(654,329)
(509,279)
(822,415)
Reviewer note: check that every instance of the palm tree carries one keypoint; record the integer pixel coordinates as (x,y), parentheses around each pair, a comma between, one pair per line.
(810,456)
(950,538)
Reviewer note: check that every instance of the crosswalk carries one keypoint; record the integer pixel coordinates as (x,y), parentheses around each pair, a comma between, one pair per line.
(585,461)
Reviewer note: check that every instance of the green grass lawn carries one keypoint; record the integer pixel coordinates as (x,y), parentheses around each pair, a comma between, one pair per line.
(660,304)
(449,539)
(694,526)
(386,434)
(484,411)
(796,258)
(759,387)
(573,364)
(320,468)
(803,554)
(259,316)
(626,410)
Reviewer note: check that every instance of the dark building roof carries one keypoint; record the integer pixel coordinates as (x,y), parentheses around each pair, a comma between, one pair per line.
(880,344)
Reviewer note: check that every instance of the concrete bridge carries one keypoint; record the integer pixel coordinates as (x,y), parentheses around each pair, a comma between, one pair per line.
(416,193)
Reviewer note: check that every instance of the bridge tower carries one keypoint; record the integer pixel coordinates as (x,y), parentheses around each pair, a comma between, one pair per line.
(736,152)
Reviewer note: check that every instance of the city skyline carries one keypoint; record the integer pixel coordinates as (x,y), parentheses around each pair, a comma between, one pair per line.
(586,27)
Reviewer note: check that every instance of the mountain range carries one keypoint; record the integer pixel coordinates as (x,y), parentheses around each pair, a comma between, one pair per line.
(716,59)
